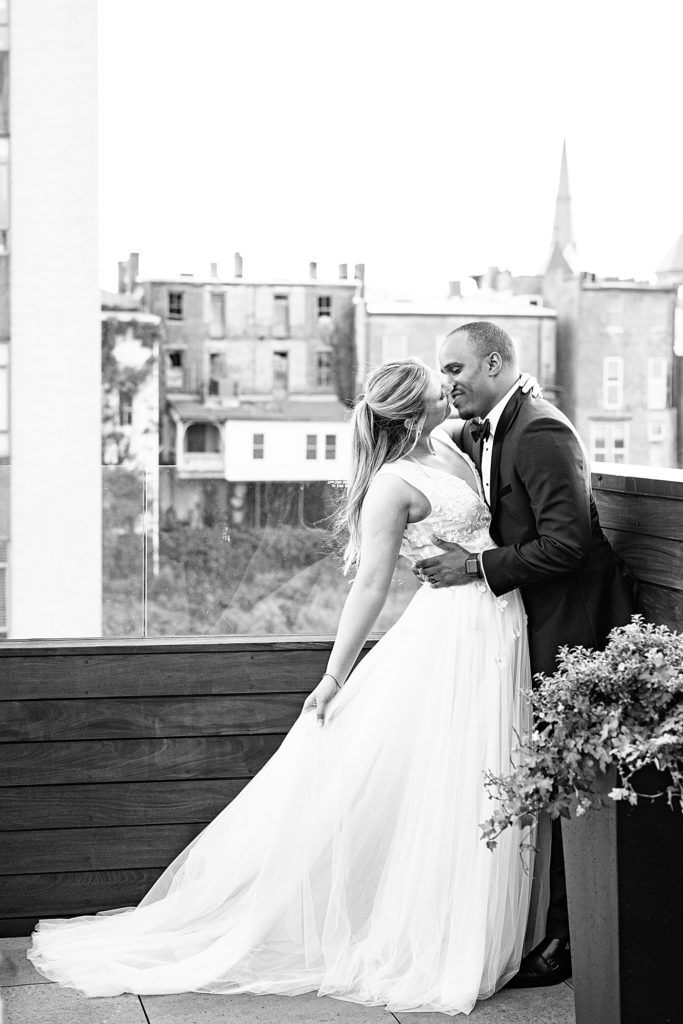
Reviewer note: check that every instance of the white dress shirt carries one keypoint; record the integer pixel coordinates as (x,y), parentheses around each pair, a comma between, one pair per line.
(493,418)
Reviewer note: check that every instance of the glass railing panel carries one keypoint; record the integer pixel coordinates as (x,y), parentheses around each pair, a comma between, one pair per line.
(250,559)
(126,531)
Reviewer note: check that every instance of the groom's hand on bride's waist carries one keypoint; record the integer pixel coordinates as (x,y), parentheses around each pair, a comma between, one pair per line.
(444,570)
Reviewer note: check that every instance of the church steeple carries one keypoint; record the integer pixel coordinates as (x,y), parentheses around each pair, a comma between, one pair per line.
(562,245)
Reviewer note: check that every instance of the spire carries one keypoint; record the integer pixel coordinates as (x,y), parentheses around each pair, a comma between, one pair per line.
(562,245)
(670,270)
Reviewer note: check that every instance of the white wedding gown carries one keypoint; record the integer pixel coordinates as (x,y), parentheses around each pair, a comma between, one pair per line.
(352,864)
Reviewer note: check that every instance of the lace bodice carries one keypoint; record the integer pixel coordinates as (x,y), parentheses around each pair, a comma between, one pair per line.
(457,513)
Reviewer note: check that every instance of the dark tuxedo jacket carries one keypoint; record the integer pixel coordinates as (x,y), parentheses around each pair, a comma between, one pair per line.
(546,524)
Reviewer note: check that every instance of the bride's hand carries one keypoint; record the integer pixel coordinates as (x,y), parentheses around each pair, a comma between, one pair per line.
(528,383)
(324,692)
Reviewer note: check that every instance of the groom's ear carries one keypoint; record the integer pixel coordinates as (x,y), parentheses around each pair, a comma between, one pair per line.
(494,363)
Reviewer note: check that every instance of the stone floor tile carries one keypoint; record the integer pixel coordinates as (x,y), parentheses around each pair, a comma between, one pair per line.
(523,1006)
(194,1008)
(15,969)
(49,1004)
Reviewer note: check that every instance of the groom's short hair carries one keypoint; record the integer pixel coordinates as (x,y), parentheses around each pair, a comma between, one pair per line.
(487,338)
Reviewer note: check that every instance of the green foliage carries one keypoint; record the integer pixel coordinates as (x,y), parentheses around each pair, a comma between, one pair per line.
(120,379)
(211,580)
(621,706)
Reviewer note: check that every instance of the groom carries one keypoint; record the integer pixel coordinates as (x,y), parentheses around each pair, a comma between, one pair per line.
(536,479)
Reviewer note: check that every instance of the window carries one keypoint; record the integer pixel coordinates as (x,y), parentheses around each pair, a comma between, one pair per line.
(175,305)
(311,446)
(125,410)
(609,442)
(323,368)
(330,446)
(174,369)
(612,382)
(3,586)
(4,83)
(217,326)
(657,380)
(325,305)
(258,446)
(281,370)
(656,431)
(4,193)
(281,316)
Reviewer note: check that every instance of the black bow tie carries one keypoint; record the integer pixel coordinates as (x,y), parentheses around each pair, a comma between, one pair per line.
(481,431)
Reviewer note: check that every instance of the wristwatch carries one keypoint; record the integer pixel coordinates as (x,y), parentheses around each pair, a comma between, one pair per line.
(472,567)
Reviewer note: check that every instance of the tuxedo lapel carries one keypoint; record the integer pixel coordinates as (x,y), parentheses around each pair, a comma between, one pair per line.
(504,423)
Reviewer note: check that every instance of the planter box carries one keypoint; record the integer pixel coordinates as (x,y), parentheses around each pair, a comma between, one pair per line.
(624,869)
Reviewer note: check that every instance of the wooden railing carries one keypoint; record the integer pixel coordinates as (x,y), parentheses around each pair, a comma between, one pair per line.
(643,517)
(115,754)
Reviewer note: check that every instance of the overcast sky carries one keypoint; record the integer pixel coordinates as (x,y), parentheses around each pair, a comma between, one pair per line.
(421,138)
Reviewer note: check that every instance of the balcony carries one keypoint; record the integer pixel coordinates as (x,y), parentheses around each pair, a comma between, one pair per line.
(201,463)
(115,753)
(200,451)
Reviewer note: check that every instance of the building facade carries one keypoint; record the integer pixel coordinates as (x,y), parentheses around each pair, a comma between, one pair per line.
(616,363)
(399,329)
(616,367)
(252,377)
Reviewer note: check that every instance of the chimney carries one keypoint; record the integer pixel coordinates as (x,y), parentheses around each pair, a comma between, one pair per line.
(123,277)
(491,278)
(214,270)
(359,275)
(454,290)
(343,271)
(239,265)
(313,271)
(133,265)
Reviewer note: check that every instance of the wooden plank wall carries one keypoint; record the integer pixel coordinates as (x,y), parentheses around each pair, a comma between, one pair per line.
(643,518)
(115,754)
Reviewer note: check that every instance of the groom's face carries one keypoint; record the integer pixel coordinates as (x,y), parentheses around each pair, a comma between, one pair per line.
(468,375)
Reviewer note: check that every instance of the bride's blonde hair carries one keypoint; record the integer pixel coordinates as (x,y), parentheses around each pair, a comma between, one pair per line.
(386,425)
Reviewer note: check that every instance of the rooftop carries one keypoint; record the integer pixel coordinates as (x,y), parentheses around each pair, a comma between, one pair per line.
(476,306)
(618,284)
(273,282)
(328,410)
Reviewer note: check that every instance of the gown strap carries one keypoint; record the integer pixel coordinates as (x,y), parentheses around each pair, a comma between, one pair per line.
(411,472)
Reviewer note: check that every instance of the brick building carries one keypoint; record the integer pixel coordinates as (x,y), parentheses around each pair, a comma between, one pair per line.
(252,374)
(615,349)
(394,330)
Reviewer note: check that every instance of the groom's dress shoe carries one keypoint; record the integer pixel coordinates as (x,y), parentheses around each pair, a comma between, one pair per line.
(548,964)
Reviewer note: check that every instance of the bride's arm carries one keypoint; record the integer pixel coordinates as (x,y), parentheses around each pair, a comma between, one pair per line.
(454,427)
(383,518)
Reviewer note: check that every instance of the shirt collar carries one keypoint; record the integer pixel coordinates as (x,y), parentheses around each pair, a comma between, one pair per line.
(497,411)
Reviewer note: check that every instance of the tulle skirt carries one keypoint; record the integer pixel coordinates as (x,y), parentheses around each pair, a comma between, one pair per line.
(352,864)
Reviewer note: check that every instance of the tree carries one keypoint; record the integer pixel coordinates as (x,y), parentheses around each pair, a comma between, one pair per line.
(120,383)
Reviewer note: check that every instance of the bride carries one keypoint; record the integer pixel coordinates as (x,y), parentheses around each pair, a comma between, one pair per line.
(352,864)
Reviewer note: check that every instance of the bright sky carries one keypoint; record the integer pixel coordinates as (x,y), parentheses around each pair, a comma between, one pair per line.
(422,138)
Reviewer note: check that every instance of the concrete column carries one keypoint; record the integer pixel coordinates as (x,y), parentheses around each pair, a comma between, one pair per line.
(55,427)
